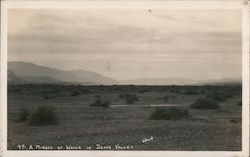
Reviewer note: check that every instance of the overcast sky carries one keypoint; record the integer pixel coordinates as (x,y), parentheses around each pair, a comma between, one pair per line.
(130,43)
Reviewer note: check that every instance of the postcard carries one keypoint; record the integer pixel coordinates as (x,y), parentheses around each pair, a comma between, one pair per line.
(125,78)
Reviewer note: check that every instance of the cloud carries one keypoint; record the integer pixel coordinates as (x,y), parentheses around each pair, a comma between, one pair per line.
(130,36)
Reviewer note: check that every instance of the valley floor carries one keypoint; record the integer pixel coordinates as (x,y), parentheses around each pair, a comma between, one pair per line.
(123,128)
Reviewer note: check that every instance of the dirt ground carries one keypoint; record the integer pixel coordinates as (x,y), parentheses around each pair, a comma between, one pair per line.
(123,128)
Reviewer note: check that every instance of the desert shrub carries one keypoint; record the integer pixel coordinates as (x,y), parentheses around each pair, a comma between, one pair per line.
(100,103)
(166,98)
(75,93)
(191,92)
(129,98)
(175,91)
(239,103)
(170,113)
(48,96)
(121,96)
(18,90)
(85,91)
(173,97)
(106,103)
(143,91)
(205,103)
(44,115)
(23,115)
(233,121)
(219,96)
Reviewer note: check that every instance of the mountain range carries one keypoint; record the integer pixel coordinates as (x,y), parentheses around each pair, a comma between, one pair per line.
(25,72)
(181,81)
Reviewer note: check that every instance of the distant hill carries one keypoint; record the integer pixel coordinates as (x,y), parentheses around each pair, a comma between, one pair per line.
(12,78)
(25,72)
(28,72)
(224,81)
(181,81)
(159,81)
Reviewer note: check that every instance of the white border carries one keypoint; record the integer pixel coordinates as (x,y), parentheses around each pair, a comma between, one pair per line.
(245,77)
(124,5)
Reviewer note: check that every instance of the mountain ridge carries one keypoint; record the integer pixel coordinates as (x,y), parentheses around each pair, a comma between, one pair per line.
(26,72)
(180,81)
(27,69)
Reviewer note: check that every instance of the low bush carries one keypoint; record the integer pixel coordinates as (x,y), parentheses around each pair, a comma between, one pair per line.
(47,96)
(219,96)
(239,103)
(75,94)
(191,92)
(170,113)
(233,121)
(129,98)
(23,115)
(175,91)
(205,103)
(173,97)
(85,91)
(44,115)
(100,103)
(143,91)
(166,98)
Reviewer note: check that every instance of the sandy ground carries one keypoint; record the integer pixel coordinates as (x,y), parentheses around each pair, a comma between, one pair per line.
(123,128)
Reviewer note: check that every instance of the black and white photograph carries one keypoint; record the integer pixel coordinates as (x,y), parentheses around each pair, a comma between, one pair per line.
(130,79)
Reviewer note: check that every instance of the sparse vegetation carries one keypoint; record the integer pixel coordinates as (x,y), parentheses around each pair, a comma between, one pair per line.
(85,90)
(233,121)
(166,98)
(129,98)
(44,115)
(217,96)
(204,104)
(173,97)
(191,92)
(220,96)
(175,90)
(100,103)
(170,113)
(77,119)
(48,96)
(23,115)
(143,91)
(76,93)
(239,103)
